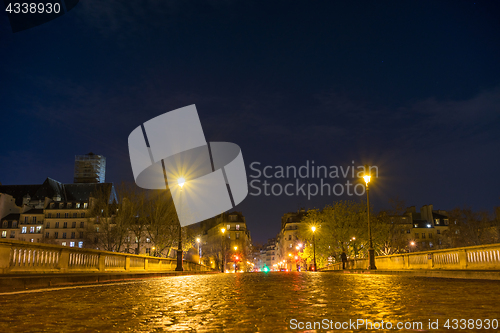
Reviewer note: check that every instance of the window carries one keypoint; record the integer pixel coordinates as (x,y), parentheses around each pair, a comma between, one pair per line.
(85,205)
(416,235)
(436,221)
(430,244)
(12,234)
(73,235)
(73,225)
(33,220)
(438,231)
(58,215)
(69,205)
(32,240)
(32,230)
(5,224)
(75,214)
(39,229)
(82,215)
(56,235)
(148,240)
(26,220)
(97,229)
(237,235)
(57,225)
(46,235)
(423,243)
(77,205)
(71,244)
(52,205)
(80,244)
(64,235)
(61,205)
(446,222)
(4,234)
(415,225)
(430,235)
(408,231)
(237,227)
(423,235)
(63,243)
(232,218)
(82,224)
(49,215)
(81,234)
(228,227)
(66,215)
(47,225)
(65,224)
(14,224)
(290,246)
(289,237)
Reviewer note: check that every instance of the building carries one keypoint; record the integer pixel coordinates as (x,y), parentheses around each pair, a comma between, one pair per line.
(90,168)
(288,240)
(272,257)
(227,237)
(420,231)
(51,212)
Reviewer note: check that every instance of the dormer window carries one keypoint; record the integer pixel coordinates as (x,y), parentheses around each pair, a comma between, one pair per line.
(52,205)
(69,205)
(77,205)
(61,205)
(415,225)
(85,205)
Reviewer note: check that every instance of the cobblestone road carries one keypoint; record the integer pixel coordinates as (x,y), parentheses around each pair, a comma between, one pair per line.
(249,302)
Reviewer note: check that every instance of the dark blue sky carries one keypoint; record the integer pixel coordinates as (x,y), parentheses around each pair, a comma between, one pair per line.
(413,88)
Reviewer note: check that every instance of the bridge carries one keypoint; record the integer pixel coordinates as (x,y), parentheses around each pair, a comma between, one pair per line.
(247,302)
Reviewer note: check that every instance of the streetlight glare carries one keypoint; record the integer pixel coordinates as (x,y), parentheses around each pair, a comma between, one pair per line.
(235,248)
(198,240)
(181,181)
(367,178)
(223,230)
(313,229)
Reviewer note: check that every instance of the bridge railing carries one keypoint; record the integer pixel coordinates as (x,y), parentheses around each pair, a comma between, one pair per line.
(23,257)
(482,257)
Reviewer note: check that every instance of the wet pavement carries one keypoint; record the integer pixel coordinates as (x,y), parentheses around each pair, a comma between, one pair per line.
(256,302)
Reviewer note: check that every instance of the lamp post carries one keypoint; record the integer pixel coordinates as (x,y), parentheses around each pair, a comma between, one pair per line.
(179,267)
(371,251)
(235,258)
(223,254)
(314,248)
(199,252)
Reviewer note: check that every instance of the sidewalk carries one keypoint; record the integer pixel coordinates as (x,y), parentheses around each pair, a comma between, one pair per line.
(434,273)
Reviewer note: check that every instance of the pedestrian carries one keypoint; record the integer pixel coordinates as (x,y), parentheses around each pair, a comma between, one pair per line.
(343,256)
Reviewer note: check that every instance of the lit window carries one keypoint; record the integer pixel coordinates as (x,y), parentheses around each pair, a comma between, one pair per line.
(77,205)
(415,225)
(38,229)
(4,234)
(228,227)
(97,229)
(85,205)
(71,244)
(148,240)
(428,226)
(32,240)
(63,243)
(32,230)
(237,227)
(80,244)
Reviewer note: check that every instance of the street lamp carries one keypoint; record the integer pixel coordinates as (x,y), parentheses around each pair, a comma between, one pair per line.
(235,258)
(314,247)
(153,251)
(181,182)
(223,252)
(199,252)
(371,251)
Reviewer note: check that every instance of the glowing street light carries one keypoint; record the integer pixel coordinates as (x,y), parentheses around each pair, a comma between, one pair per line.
(223,230)
(314,247)
(371,251)
(179,267)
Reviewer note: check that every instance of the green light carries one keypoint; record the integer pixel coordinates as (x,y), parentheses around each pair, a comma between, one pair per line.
(265,269)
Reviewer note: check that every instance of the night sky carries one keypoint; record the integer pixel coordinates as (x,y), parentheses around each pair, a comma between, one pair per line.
(412,87)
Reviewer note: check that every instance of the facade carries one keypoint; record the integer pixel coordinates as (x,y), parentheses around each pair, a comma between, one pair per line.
(219,237)
(90,168)
(272,256)
(289,243)
(421,231)
(51,212)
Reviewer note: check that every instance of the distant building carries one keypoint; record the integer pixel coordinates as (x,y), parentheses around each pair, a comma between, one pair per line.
(272,257)
(216,245)
(288,241)
(51,212)
(89,168)
(423,230)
